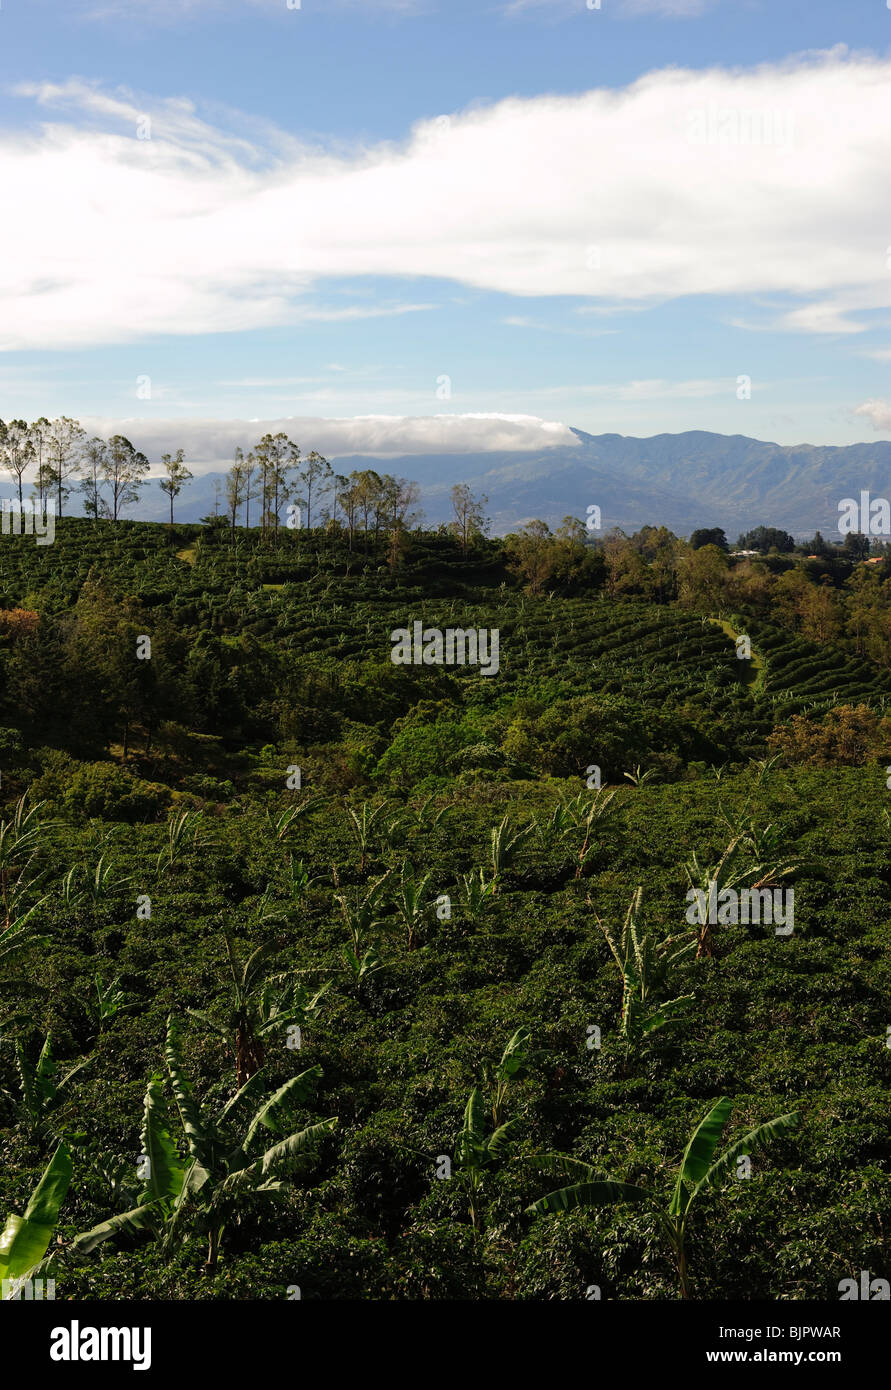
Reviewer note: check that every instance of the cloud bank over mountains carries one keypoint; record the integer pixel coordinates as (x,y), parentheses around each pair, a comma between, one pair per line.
(211,444)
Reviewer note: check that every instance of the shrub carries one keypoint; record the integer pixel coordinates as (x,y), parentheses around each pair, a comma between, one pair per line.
(101,790)
(848,734)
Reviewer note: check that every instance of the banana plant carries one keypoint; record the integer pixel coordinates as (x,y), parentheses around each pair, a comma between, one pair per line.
(601,811)
(513,1066)
(103,882)
(557,825)
(362,966)
(300,880)
(258,1007)
(265,909)
(80,884)
(42,1089)
(283,824)
(645,965)
(506,841)
(427,818)
(478,1150)
(204,1193)
(365,825)
(23,841)
(110,1000)
(16,935)
(184,827)
(639,777)
(114,1174)
(482,1145)
(25,1240)
(765,767)
(393,832)
(362,913)
(70,891)
(765,842)
(411,900)
(735,870)
(476,890)
(699,1171)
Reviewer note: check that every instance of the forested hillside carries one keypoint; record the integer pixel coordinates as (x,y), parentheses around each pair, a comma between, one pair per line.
(322,972)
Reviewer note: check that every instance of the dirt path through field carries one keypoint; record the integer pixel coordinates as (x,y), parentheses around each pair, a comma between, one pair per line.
(755,668)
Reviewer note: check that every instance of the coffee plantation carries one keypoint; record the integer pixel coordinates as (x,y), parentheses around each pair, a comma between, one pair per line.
(325,973)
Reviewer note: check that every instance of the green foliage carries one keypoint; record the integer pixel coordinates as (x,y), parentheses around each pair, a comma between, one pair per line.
(206,1191)
(25,1240)
(100,791)
(42,1089)
(646,967)
(699,1170)
(482,1143)
(421,782)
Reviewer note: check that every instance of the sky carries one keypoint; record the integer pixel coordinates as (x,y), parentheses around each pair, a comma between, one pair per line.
(414,225)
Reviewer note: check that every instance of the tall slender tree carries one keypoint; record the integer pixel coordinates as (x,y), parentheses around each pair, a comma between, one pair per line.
(93,465)
(369,486)
(17,451)
(264,465)
(469,513)
(177,476)
(67,441)
(339,486)
(249,468)
(277,457)
(399,496)
(349,501)
(40,432)
(314,477)
(124,468)
(235,489)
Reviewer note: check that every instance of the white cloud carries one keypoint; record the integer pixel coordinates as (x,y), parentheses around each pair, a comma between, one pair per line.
(211,444)
(618,198)
(878,413)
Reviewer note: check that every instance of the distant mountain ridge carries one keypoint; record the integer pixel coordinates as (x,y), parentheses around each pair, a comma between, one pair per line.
(678,480)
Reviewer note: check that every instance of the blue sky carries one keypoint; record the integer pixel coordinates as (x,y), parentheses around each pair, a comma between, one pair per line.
(659,215)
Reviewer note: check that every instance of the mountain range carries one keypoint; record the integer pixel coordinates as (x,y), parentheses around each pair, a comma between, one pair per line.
(682,481)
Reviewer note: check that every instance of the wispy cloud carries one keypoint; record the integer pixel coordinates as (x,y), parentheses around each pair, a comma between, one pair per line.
(659,389)
(166,12)
(629,9)
(648,389)
(362,311)
(538,326)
